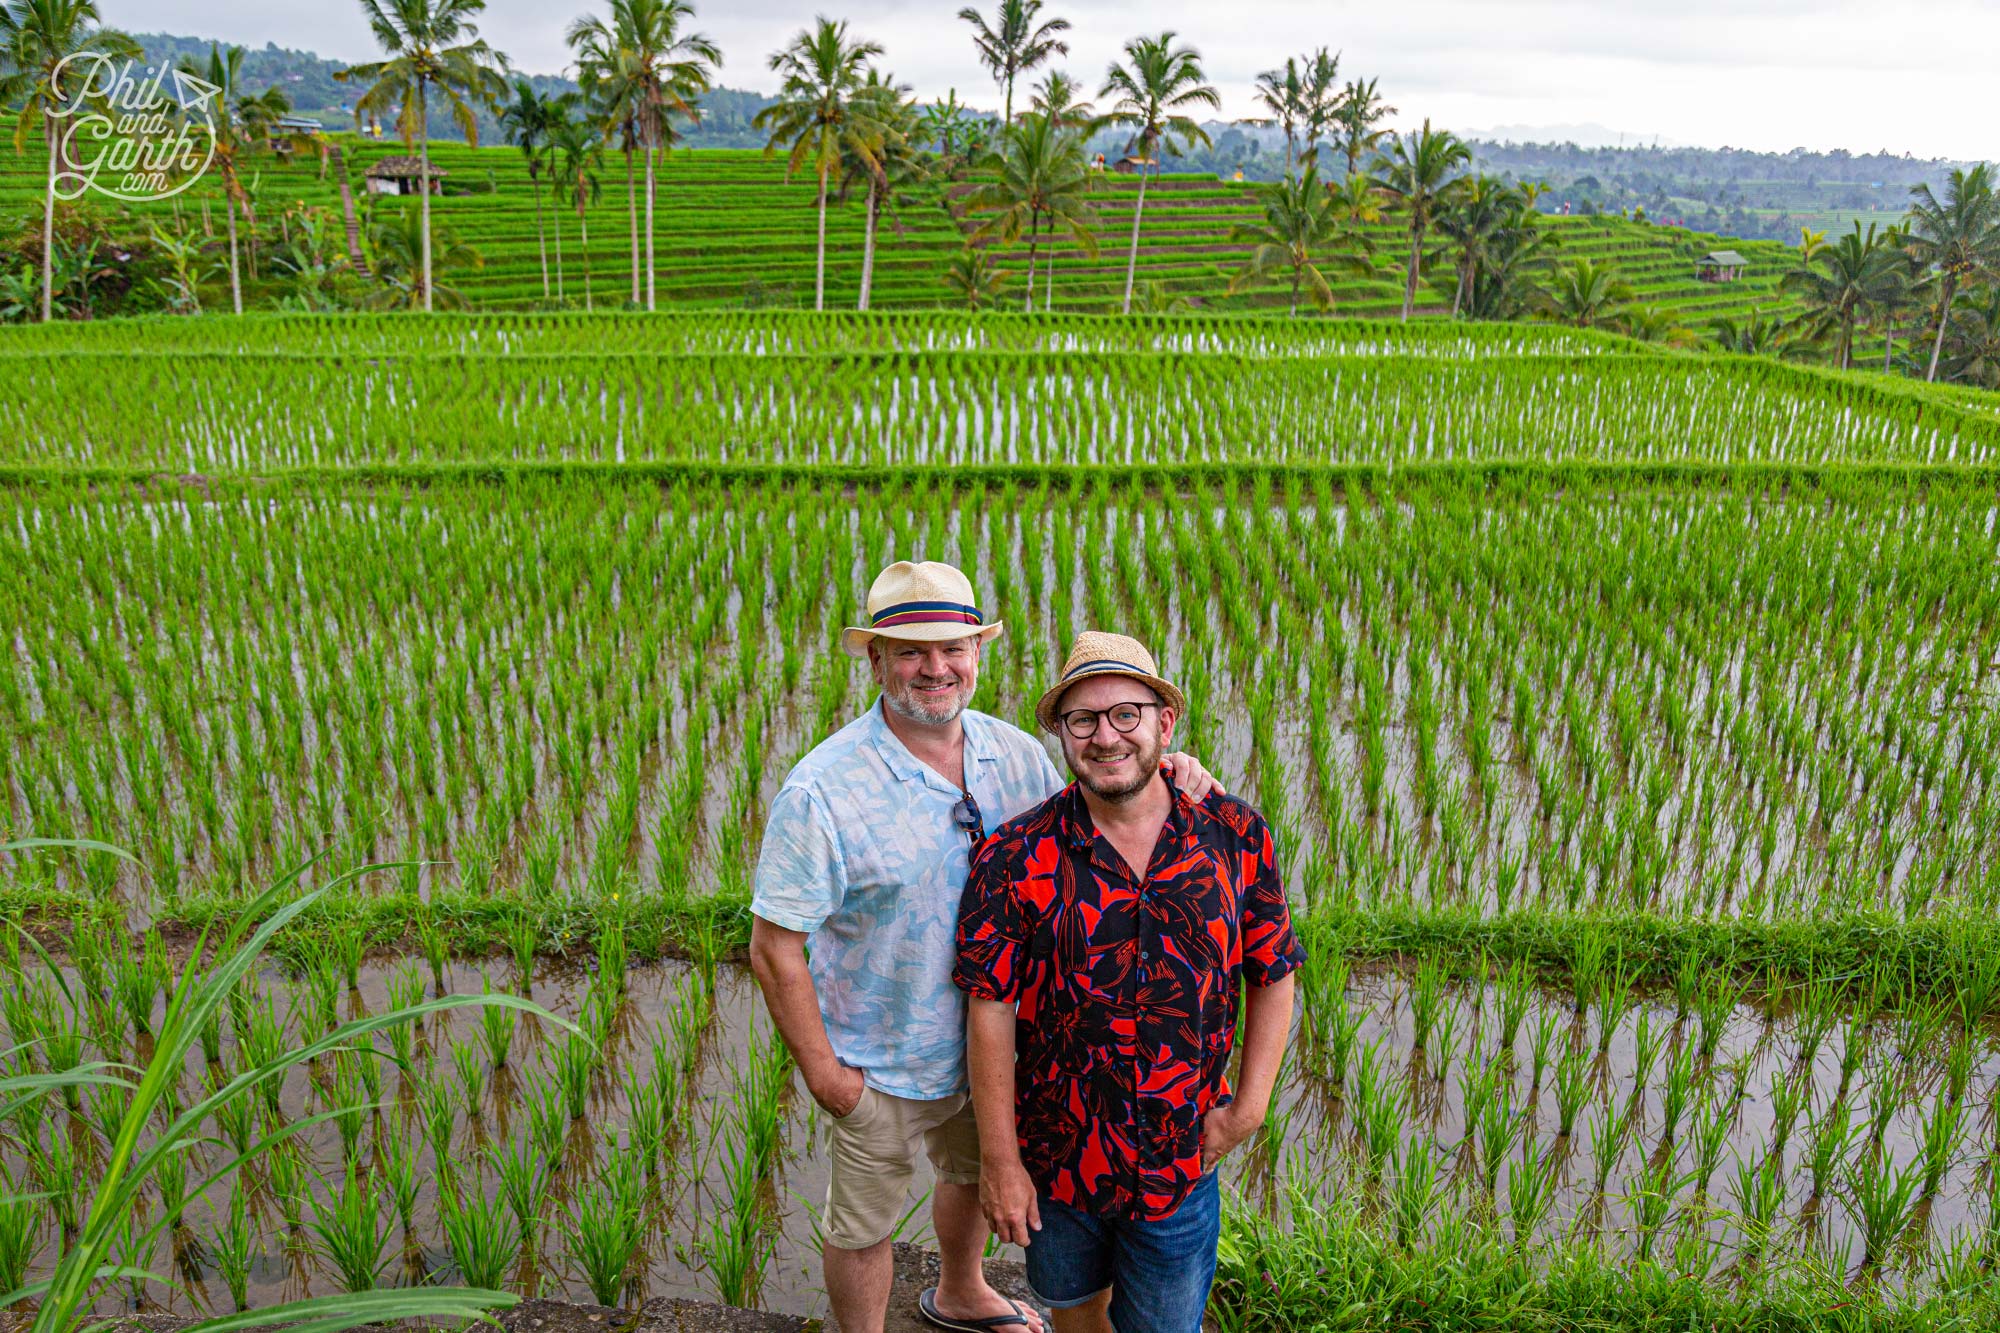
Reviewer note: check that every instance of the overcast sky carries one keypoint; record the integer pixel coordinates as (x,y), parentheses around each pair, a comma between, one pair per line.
(1767,74)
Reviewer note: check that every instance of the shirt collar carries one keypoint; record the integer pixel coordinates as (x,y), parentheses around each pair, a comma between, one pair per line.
(1080,831)
(906,766)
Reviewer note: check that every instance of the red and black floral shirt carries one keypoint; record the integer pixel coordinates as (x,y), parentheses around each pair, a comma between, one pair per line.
(1125,993)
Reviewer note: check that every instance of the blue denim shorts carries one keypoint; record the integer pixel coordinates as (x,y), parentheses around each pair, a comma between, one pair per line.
(1159,1272)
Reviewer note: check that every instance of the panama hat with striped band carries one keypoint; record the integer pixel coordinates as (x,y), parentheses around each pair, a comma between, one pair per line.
(926,601)
(1096,653)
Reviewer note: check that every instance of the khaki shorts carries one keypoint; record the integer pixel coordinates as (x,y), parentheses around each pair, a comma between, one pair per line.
(875,1154)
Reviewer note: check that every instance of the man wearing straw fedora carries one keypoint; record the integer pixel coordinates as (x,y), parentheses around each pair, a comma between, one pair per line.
(1105,939)
(864,857)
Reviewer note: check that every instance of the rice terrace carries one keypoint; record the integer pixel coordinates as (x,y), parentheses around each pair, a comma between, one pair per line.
(400,657)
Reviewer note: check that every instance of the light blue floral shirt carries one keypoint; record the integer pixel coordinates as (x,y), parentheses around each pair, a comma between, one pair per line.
(860,852)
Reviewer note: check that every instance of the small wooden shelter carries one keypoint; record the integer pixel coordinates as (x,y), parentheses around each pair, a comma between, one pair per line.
(1125,166)
(1720,266)
(398,175)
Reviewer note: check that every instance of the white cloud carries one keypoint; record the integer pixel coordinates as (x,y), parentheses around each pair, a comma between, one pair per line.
(1768,74)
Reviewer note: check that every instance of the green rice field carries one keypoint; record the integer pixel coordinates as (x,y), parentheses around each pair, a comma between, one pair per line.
(1626,719)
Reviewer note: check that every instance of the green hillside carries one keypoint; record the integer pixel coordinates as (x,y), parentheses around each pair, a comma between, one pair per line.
(731,230)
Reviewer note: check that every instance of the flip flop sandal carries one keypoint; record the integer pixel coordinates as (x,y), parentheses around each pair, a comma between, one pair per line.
(927,1307)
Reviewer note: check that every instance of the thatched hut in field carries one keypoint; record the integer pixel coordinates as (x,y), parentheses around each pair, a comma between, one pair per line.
(399,175)
(1720,266)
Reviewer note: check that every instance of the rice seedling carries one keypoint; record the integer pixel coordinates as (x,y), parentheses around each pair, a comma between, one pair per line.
(736,1241)
(233,1243)
(605,1226)
(1938,1144)
(1415,1191)
(523,939)
(23,1223)
(576,1060)
(523,1174)
(348,1226)
(1759,1192)
(1531,1189)
(548,1119)
(1572,1089)
(471,1067)
(479,1234)
(496,1026)
(1879,1199)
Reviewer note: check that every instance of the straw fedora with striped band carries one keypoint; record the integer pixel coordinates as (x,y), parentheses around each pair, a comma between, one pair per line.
(926,601)
(1096,653)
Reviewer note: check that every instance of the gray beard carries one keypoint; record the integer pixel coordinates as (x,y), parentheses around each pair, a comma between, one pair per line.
(912,711)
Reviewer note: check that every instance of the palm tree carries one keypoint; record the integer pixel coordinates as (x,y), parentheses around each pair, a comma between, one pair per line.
(942,127)
(1500,283)
(1356,115)
(578,150)
(1038,174)
(1282,93)
(406,259)
(1302,219)
(892,162)
(1014,43)
(643,66)
(1057,96)
(1810,244)
(817,115)
(971,273)
(243,123)
(1755,336)
(1587,295)
(1154,96)
(1654,324)
(1958,238)
(1911,277)
(1476,224)
(1973,348)
(36,37)
(525,124)
(433,46)
(1417,176)
(1854,275)
(1322,98)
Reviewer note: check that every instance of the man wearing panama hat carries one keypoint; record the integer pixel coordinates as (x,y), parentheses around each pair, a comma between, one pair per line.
(864,857)
(1105,938)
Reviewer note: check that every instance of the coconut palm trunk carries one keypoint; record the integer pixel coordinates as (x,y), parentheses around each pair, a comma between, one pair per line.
(1028,302)
(1945,295)
(583,244)
(559,262)
(632,217)
(49,222)
(1132,257)
(235,280)
(819,264)
(541,232)
(868,247)
(1410,277)
(651,188)
(424,186)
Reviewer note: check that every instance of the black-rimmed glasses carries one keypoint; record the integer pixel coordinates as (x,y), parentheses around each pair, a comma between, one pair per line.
(1082,722)
(965,814)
